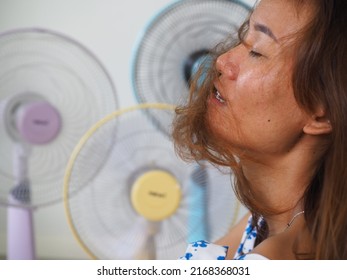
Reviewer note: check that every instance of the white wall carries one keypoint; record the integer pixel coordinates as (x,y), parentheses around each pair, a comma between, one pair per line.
(109,29)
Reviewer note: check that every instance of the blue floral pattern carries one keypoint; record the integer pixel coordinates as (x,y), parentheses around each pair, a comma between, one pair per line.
(204,250)
(201,250)
(247,241)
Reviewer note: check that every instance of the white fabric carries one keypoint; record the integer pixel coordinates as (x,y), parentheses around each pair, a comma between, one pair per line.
(252,256)
(203,250)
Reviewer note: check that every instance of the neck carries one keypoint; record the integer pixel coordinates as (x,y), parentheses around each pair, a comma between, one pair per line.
(279,182)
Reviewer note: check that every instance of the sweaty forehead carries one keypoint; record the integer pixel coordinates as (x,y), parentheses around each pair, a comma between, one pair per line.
(282,17)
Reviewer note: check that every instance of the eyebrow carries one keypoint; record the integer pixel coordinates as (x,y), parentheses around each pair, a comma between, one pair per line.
(266,30)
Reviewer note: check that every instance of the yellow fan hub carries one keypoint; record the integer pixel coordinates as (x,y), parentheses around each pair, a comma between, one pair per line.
(156,195)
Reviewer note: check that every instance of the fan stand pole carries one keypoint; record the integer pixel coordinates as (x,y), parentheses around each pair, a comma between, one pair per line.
(20,231)
(148,249)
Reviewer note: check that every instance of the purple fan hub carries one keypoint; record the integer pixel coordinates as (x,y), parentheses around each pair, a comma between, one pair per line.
(38,122)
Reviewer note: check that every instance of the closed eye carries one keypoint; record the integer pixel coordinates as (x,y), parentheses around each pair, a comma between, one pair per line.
(254,54)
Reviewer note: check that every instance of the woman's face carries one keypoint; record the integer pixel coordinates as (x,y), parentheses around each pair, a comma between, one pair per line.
(253,107)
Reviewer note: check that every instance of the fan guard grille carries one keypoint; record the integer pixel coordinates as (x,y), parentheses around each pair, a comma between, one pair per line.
(177,33)
(68,76)
(100,211)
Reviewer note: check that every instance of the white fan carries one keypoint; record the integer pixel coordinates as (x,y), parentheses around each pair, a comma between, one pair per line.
(142,201)
(52,89)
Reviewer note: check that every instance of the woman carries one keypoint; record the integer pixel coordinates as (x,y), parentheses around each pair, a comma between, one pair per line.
(274,109)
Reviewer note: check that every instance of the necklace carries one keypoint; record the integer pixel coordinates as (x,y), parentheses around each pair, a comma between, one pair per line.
(293,219)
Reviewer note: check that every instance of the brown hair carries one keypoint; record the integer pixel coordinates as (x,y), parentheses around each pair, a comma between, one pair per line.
(319,78)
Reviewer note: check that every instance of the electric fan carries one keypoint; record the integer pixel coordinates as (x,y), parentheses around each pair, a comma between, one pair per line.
(52,89)
(174,45)
(141,201)
(177,41)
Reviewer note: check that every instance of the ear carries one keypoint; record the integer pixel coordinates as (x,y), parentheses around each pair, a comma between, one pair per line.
(318,124)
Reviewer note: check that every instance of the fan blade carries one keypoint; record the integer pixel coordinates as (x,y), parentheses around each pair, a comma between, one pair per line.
(148,250)
(138,243)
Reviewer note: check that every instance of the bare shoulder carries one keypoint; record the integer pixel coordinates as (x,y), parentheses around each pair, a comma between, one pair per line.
(286,245)
(279,247)
(233,238)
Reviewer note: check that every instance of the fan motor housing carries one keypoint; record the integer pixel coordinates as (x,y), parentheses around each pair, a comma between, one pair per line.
(156,195)
(30,118)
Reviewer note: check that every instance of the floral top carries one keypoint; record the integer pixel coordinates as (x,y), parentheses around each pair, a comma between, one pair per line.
(203,250)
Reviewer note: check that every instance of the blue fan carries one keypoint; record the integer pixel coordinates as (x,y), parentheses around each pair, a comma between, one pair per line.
(176,41)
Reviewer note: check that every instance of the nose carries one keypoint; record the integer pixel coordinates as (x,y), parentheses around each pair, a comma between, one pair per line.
(227,66)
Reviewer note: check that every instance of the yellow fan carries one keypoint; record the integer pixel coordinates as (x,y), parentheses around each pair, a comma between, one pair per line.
(128,196)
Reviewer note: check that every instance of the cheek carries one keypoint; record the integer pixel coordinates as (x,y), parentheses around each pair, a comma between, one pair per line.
(266,110)
(228,130)
(221,123)
(261,110)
